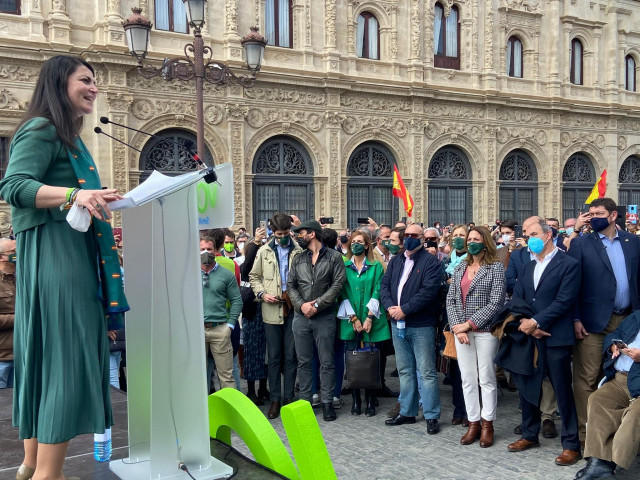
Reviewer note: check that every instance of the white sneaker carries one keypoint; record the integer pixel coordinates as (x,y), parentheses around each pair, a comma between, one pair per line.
(315,401)
(337,402)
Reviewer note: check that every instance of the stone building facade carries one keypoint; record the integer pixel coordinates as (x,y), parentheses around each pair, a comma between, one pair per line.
(489,108)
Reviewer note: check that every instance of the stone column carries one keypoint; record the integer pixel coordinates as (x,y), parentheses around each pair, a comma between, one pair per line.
(490,80)
(113,31)
(416,73)
(59,25)
(236,115)
(231,36)
(419,165)
(554,50)
(331,54)
(36,22)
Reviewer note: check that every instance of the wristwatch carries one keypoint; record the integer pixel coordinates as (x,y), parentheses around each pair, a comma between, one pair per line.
(371,317)
(315,304)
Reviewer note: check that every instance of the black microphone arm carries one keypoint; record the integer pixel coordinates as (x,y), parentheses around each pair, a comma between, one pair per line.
(99,130)
(199,161)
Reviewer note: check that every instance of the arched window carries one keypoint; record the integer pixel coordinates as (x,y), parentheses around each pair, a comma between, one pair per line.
(370,171)
(279,23)
(514,57)
(518,186)
(450,196)
(446,38)
(576,62)
(283,180)
(629,182)
(171,153)
(578,178)
(10,6)
(630,74)
(368,36)
(170,16)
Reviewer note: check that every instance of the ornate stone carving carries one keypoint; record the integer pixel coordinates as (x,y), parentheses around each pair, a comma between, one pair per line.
(10,102)
(529,6)
(334,178)
(629,125)
(488,35)
(236,160)
(435,129)
(257,118)
(351,124)
(588,121)
(231,15)
(504,134)
(529,117)
(143,109)
(415,28)
(330,23)
(282,95)
(213,114)
(369,102)
(19,73)
(236,112)
(113,7)
(59,6)
(568,138)
(452,110)
(622,142)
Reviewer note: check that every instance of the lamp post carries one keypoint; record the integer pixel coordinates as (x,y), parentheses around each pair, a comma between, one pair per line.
(197,62)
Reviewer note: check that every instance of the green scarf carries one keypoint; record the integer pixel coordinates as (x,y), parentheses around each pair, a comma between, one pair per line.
(110,289)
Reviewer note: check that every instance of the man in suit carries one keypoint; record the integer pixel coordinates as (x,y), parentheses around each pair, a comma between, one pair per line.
(554,224)
(608,293)
(548,404)
(549,284)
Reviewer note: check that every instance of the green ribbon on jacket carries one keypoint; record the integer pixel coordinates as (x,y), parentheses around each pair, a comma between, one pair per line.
(110,288)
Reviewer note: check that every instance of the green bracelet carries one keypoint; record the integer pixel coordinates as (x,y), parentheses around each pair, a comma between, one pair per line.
(68,195)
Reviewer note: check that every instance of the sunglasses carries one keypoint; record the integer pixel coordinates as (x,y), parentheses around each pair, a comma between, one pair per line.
(205,280)
(431,239)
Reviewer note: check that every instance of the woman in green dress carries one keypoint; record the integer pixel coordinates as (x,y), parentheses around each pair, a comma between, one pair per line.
(360,309)
(68,287)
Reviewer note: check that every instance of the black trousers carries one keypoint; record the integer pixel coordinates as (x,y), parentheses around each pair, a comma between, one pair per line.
(557,363)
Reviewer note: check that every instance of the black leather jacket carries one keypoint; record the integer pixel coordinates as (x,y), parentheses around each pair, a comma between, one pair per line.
(322,282)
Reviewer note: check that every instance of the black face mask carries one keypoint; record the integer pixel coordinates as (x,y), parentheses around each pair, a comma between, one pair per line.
(304,244)
(344,239)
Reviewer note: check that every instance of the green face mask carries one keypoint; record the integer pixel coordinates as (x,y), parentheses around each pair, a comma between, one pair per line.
(229,247)
(357,249)
(393,249)
(458,243)
(284,241)
(386,243)
(474,248)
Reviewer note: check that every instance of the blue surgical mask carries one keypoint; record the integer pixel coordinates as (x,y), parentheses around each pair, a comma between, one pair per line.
(569,230)
(411,243)
(535,244)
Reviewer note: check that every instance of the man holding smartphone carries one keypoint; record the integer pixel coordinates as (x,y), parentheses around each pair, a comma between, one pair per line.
(613,410)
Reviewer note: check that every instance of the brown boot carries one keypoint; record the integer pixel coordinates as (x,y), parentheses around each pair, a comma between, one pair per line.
(473,433)
(486,433)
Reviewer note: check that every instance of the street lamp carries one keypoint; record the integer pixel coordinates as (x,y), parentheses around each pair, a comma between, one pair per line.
(197,62)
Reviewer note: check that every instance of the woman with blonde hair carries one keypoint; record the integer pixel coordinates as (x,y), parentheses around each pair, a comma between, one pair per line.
(476,294)
(362,317)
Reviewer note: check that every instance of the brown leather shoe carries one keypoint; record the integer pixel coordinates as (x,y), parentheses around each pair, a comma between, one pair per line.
(522,445)
(473,433)
(465,422)
(274,410)
(486,433)
(568,457)
(287,401)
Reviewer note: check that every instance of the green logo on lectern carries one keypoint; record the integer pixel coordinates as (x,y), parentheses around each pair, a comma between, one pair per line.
(207,196)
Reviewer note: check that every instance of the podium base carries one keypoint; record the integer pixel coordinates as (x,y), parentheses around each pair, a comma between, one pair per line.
(128,469)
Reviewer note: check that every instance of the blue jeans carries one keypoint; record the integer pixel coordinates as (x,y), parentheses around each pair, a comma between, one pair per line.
(6,374)
(114,368)
(417,351)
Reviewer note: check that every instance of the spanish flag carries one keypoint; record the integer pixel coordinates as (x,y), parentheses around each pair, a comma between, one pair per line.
(400,191)
(599,189)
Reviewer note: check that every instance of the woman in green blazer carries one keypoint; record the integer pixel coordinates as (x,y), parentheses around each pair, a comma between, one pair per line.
(360,308)
(68,285)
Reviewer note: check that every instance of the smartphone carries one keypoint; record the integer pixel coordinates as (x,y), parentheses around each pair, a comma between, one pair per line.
(518,231)
(363,220)
(327,220)
(404,220)
(263,224)
(619,343)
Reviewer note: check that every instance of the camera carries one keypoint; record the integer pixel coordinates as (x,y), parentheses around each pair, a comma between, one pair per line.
(363,220)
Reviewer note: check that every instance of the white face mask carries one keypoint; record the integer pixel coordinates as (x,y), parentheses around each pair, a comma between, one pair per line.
(241,246)
(264,240)
(506,238)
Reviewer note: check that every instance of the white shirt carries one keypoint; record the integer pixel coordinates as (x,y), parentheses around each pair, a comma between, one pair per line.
(624,362)
(541,265)
(383,255)
(408,266)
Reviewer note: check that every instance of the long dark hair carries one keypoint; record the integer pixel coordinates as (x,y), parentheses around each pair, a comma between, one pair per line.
(50,99)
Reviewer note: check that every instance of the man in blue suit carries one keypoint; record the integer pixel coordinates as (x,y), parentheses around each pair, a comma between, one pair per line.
(554,223)
(549,284)
(608,293)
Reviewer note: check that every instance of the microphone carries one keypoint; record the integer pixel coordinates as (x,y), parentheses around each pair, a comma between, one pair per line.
(105,120)
(99,130)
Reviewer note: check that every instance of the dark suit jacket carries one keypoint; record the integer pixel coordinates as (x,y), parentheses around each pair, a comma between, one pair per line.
(598,287)
(553,300)
(626,332)
(420,296)
(517,260)
(560,244)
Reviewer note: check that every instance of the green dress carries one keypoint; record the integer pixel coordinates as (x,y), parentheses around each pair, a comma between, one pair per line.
(61,348)
(359,289)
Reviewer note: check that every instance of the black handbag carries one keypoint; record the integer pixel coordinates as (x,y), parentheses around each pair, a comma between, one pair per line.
(249,304)
(363,367)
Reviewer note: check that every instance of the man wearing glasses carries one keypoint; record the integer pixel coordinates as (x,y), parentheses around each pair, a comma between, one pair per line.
(222,304)
(315,280)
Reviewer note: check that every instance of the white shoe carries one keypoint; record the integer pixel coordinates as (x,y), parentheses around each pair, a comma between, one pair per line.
(315,401)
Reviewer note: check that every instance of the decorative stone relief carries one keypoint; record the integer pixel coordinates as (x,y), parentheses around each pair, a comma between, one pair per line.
(59,6)
(10,102)
(589,121)
(415,28)
(418,175)
(236,112)
(568,138)
(435,129)
(236,160)
(330,23)
(19,73)
(352,124)
(488,36)
(334,178)
(555,168)
(119,158)
(113,6)
(281,95)
(257,118)
(452,110)
(143,109)
(622,142)
(504,134)
(522,5)
(629,125)
(213,114)
(530,117)
(369,102)
(231,15)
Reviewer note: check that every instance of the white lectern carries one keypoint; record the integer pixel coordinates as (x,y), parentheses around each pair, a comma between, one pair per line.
(167,391)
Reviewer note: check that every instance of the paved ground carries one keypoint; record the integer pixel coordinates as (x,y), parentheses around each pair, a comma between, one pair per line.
(366,449)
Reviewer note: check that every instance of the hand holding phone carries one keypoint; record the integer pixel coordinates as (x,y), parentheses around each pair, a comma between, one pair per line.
(620,344)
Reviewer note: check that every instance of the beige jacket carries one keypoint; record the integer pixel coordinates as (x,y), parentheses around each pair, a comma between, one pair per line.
(265,277)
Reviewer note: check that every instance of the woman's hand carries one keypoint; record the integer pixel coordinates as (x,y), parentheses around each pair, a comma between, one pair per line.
(461,328)
(368,323)
(96,201)
(463,338)
(357,325)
